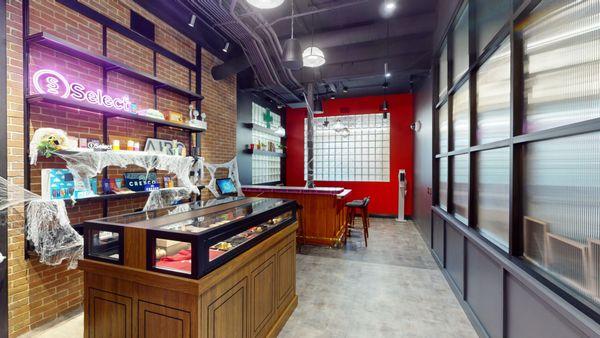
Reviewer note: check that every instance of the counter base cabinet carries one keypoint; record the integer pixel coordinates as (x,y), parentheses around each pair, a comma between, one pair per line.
(251,296)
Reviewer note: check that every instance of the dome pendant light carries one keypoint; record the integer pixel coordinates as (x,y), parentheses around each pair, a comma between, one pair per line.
(313,56)
(265,4)
(292,52)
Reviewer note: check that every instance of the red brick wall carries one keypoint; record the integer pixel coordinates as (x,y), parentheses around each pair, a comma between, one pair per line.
(39,293)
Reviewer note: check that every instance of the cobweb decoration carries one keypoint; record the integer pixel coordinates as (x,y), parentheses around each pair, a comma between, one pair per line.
(86,164)
(233,174)
(48,225)
(166,197)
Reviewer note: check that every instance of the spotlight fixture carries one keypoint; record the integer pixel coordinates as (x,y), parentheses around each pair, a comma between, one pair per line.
(385,108)
(388,7)
(345,89)
(313,57)
(192,21)
(292,51)
(332,97)
(226,47)
(386,71)
(318,106)
(265,4)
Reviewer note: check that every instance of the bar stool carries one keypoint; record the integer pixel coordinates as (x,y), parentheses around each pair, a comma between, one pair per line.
(354,207)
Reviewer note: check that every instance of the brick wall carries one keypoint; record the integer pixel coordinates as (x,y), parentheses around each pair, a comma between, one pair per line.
(39,293)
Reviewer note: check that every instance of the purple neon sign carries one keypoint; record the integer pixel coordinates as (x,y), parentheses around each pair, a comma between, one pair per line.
(47,81)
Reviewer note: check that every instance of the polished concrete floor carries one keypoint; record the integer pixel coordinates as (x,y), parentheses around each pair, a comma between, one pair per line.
(392,288)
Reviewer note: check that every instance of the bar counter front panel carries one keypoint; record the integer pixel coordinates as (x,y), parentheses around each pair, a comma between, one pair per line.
(225,268)
(322,212)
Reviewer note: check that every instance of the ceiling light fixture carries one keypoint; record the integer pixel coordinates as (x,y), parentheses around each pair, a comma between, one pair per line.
(265,4)
(332,97)
(313,56)
(226,48)
(192,21)
(345,89)
(318,106)
(292,51)
(390,5)
(386,72)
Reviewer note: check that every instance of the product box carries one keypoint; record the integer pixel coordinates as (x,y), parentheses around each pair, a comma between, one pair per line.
(59,184)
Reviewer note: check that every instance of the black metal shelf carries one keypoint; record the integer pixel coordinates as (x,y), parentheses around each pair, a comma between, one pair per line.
(60,45)
(264,152)
(111,197)
(53,99)
(260,128)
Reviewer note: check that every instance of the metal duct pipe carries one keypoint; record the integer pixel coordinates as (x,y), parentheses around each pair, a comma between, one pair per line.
(398,27)
(230,67)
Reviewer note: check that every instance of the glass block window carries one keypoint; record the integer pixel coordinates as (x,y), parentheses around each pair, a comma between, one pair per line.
(562,202)
(443,183)
(443,69)
(493,96)
(460,50)
(493,176)
(460,191)
(265,169)
(491,16)
(460,117)
(360,154)
(562,81)
(443,125)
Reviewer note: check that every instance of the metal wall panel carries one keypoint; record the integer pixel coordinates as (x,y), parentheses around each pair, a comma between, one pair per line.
(438,237)
(455,256)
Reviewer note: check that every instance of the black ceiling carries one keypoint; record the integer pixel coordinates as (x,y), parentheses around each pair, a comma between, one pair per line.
(353,34)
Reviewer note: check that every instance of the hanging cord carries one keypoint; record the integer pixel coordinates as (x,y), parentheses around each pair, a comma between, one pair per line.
(292,19)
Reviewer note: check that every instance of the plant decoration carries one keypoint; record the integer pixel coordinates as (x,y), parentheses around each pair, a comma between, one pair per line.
(51,143)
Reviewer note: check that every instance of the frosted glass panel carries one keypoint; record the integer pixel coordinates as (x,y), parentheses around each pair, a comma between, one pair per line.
(443,121)
(491,16)
(493,96)
(460,191)
(562,209)
(562,64)
(460,117)
(460,53)
(443,69)
(493,176)
(444,183)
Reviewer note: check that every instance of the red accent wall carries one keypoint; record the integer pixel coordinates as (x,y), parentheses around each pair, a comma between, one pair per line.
(384,195)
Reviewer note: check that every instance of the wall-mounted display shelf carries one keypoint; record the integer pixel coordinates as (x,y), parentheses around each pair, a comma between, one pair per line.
(53,99)
(264,152)
(51,41)
(260,128)
(112,197)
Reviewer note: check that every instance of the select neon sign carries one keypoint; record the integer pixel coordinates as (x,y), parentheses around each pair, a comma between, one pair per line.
(47,81)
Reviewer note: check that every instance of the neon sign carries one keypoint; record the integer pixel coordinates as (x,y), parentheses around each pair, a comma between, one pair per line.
(46,81)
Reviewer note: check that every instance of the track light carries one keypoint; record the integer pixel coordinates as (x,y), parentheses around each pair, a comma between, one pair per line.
(386,71)
(345,89)
(332,97)
(226,48)
(192,21)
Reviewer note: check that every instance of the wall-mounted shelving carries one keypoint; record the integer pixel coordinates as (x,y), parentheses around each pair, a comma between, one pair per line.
(260,128)
(264,153)
(53,99)
(60,45)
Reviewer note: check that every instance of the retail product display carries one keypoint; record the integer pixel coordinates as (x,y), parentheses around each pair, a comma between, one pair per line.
(151,113)
(175,116)
(138,181)
(59,184)
(194,121)
(191,239)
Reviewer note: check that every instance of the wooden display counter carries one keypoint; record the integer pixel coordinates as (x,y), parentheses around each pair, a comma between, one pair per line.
(251,295)
(322,213)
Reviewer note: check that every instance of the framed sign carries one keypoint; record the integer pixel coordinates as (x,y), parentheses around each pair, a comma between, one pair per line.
(167,147)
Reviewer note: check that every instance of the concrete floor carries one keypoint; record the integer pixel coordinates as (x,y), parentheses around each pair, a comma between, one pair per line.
(393,288)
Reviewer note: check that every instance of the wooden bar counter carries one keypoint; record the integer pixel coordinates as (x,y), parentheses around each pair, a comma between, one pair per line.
(322,212)
(252,294)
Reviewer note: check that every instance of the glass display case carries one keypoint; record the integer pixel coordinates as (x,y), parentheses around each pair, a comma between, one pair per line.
(191,239)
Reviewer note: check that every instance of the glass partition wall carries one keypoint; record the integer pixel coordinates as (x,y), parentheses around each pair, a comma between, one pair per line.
(517,149)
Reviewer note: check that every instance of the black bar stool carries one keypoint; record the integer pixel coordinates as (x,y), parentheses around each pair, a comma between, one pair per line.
(355,207)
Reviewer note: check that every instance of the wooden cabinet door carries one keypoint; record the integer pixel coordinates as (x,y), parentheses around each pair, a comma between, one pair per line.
(157,321)
(110,315)
(286,273)
(225,309)
(263,301)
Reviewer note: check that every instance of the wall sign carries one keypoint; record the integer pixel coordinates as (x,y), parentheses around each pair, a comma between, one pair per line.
(167,147)
(47,81)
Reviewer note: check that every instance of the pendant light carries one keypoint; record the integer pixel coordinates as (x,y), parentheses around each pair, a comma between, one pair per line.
(292,52)
(386,74)
(265,4)
(318,106)
(313,56)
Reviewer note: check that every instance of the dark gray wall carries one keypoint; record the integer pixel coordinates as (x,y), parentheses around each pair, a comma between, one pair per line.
(423,157)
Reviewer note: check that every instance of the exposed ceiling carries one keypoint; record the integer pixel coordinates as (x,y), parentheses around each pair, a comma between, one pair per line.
(353,35)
